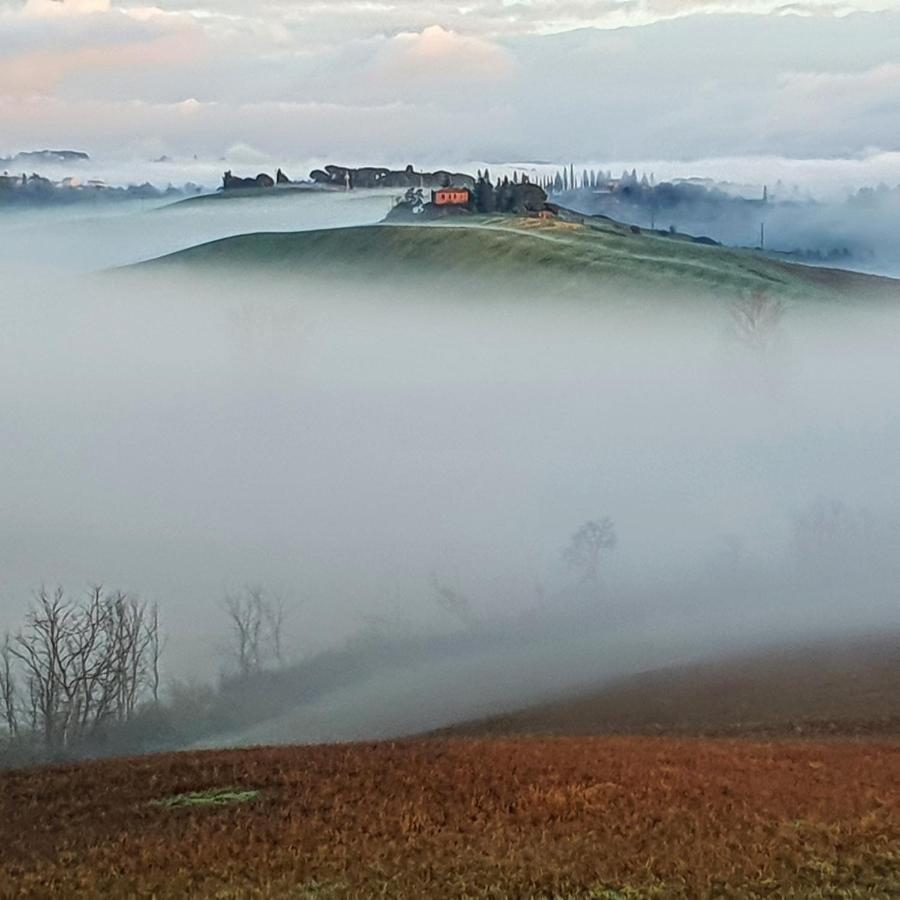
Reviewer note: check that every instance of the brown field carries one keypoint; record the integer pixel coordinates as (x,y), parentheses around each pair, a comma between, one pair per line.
(571,817)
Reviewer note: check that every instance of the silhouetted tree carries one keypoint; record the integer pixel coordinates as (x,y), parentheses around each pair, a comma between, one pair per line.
(256,630)
(451,599)
(586,547)
(9,708)
(828,529)
(83,665)
(485,199)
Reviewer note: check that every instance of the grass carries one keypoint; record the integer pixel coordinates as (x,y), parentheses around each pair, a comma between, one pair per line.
(537,254)
(213,797)
(567,818)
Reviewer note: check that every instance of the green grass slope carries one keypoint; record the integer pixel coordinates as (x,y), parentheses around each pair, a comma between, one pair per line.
(569,257)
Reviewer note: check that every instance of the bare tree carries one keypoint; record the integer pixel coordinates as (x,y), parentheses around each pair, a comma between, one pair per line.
(829,529)
(84,664)
(256,630)
(41,652)
(586,547)
(245,624)
(155,652)
(274,611)
(8,699)
(451,599)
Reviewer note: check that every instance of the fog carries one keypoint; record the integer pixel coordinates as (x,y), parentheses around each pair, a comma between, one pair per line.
(827,178)
(350,447)
(855,230)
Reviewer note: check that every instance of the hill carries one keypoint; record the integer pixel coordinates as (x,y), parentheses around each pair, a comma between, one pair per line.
(575,818)
(531,254)
(42,157)
(837,687)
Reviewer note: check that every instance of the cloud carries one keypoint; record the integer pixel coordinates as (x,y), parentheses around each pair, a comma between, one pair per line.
(43,72)
(689,86)
(436,54)
(50,46)
(847,106)
(52,8)
(858,89)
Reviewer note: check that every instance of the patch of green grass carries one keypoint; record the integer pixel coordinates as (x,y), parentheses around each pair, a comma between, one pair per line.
(212,797)
(317,890)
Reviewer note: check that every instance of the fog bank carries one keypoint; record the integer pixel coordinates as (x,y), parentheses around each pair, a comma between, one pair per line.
(351,448)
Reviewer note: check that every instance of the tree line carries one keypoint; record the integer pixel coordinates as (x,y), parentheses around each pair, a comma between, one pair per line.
(84,673)
(78,666)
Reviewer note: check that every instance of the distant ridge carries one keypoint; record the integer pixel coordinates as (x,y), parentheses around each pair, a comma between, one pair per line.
(30,157)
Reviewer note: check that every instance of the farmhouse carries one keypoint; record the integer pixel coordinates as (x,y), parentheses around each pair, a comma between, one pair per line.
(451,196)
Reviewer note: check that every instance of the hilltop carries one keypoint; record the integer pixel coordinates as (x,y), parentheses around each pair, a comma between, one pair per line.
(536,254)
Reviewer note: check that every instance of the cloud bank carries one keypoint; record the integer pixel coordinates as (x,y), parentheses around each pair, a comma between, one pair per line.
(530,80)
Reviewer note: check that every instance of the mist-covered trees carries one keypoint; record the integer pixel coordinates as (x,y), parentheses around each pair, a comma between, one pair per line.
(8,701)
(586,547)
(483,196)
(451,598)
(256,628)
(516,196)
(78,666)
(829,531)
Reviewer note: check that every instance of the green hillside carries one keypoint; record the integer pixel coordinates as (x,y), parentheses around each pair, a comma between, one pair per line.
(574,258)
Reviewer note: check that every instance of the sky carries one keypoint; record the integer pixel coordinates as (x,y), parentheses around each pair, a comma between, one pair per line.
(366,80)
